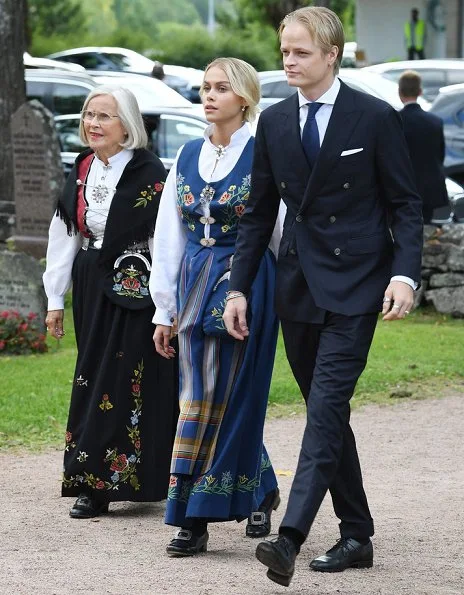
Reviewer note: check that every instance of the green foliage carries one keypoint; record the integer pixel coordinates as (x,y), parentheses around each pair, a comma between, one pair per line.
(59,17)
(421,354)
(192,46)
(20,335)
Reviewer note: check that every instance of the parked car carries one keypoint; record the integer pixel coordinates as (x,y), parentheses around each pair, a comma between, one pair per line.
(31,62)
(434,73)
(449,106)
(106,58)
(60,91)
(150,92)
(274,86)
(167,129)
(454,211)
(186,81)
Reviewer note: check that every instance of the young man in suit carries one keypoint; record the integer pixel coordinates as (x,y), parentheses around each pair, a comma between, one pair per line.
(351,246)
(426,144)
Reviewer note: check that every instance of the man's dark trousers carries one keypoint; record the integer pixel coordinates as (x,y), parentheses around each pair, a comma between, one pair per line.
(327,360)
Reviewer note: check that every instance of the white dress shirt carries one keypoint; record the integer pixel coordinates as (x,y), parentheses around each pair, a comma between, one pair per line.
(170,235)
(322,119)
(62,248)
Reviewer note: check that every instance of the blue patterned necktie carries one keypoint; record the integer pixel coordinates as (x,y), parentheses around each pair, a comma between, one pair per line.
(310,136)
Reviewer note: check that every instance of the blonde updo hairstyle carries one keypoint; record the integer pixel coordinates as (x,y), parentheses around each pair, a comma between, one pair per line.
(244,82)
(128,112)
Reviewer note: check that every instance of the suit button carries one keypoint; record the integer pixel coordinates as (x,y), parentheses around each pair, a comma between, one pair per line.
(283,185)
(337,251)
(292,251)
(346,185)
(299,218)
(332,219)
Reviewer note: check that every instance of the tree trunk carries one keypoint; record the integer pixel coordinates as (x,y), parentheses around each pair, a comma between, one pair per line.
(12,95)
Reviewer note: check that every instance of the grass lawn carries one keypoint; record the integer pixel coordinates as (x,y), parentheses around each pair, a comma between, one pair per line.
(418,357)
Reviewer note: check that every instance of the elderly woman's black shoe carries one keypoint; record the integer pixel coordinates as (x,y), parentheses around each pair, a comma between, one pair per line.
(87,507)
(186,543)
(259,522)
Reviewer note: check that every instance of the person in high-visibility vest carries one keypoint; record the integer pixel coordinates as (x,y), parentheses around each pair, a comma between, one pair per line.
(414,35)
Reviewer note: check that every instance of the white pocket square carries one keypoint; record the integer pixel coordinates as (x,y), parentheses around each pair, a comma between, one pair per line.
(351,152)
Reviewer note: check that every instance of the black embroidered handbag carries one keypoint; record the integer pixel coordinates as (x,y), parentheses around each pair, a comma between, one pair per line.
(127,284)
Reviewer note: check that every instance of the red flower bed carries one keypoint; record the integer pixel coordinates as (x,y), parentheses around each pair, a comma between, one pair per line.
(20,334)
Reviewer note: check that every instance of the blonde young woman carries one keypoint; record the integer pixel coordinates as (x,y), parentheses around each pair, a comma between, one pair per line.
(220,470)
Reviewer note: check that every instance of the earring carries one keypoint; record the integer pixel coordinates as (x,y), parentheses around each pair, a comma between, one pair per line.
(244,108)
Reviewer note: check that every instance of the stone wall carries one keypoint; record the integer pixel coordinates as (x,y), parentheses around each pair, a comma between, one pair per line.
(443,269)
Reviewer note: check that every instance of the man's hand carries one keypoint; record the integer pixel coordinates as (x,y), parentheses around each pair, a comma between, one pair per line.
(161,338)
(54,323)
(235,318)
(398,300)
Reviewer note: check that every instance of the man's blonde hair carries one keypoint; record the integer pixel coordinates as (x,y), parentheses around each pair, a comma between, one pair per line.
(244,82)
(323,25)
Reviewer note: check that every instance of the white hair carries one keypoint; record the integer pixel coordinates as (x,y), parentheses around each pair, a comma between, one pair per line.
(128,112)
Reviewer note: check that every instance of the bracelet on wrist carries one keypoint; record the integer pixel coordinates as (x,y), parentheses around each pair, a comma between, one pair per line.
(230,295)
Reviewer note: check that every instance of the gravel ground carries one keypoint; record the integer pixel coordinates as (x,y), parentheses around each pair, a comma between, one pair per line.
(413,461)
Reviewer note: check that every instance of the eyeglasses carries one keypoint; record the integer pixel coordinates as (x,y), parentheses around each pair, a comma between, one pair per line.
(102,118)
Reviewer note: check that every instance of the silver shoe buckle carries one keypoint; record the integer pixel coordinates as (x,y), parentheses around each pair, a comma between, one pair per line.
(258,518)
(183,535)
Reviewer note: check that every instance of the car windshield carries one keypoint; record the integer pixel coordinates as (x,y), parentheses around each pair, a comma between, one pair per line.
(135,61)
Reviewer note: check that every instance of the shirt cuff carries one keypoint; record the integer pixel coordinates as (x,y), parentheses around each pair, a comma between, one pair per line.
(162,317)
(406,280)
(56,302)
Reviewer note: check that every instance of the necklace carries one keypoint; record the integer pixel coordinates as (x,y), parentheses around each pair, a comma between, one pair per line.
(207,194)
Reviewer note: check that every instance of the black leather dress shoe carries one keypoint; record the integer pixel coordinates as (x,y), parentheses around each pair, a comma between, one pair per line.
(346,553)
(279,556)
(87,507)
(259,522)
(185,543)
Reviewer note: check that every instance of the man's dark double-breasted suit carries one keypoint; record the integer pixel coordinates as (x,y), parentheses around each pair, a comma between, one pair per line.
(352,223)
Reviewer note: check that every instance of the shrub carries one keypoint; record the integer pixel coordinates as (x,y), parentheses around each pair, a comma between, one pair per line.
(20,334)
(193,46)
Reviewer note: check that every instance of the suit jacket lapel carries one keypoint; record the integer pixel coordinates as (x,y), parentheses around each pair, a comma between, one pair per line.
(342,122)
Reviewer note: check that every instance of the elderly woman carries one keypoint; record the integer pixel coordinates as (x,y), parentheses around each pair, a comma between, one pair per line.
(124,396)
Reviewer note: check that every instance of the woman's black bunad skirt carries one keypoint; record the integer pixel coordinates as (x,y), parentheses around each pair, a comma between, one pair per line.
(124,404)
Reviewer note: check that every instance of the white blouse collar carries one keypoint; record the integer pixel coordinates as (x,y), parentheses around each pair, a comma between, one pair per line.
(239,137)
(122,157)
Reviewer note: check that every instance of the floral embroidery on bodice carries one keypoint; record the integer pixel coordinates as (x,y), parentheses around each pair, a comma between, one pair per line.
(211,210)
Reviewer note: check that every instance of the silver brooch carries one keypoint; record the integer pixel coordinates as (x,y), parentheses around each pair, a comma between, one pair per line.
(220,151)
(206,195)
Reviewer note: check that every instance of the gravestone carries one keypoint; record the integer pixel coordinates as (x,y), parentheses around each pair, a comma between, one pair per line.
(21,286)
(38,176)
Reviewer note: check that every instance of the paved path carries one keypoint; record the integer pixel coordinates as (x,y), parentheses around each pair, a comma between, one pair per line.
(413,460)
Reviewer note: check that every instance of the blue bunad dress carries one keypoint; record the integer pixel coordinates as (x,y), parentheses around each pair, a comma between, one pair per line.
(220,470)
